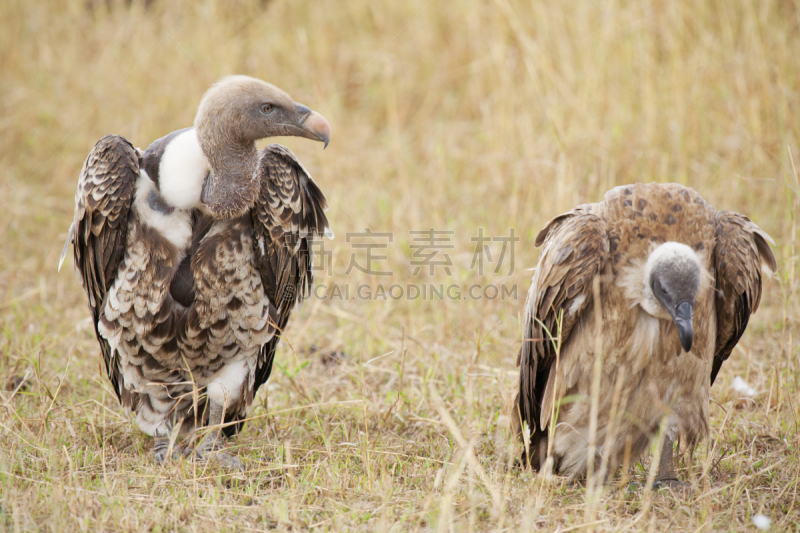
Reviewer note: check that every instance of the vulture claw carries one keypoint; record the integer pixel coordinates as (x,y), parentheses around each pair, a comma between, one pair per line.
(678,487)
(210,449)
(160,449)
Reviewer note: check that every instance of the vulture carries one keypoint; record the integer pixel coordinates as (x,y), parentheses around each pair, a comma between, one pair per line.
(193,254)
(658,284)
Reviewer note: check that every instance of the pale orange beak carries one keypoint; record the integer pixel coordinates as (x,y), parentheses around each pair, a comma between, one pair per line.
(312,124)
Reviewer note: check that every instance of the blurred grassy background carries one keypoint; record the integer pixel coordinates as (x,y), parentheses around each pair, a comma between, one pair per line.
(457,116)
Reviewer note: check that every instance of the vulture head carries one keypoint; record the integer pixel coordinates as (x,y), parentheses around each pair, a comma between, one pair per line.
(234,113)
(671,279)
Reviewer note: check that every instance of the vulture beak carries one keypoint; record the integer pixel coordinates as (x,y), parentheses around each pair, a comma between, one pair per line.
(312,125)
(683,321)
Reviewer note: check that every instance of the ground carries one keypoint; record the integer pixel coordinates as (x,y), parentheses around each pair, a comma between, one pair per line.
(384,411)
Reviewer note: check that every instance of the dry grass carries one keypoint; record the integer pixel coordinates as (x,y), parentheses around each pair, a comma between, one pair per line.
(459,116)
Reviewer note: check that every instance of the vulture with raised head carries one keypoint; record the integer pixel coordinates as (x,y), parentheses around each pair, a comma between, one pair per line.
(677,281)
(193,254)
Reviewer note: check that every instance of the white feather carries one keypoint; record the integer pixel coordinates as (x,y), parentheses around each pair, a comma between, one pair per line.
(762,522)
(576,304)
(741,386)
(66,246)
(670,252)
(226,384)
(182,171)
(175,227)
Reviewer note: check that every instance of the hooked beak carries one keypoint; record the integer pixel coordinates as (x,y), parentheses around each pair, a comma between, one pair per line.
(312,125)
(683,321)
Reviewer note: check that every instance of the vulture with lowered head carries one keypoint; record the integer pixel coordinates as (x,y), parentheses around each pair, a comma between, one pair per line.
(676,282)
(193,254)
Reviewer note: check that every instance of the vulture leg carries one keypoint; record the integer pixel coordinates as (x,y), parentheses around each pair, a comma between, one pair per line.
(160,449)
(212,443)
(666,476)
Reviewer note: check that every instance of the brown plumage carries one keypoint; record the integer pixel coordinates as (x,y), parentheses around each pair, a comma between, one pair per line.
(193,254)
(674,275)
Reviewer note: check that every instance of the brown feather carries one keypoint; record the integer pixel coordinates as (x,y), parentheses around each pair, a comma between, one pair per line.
(190,275)
(613,239)
(100,224)
(740,251)
(289,214)
(580,236)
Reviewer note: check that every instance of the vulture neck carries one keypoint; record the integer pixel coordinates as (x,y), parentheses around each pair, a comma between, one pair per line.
(232,186)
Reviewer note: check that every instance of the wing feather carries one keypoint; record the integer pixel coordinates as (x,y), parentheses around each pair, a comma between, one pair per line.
(741,250)
(289,214)
(575,251)
(100,226)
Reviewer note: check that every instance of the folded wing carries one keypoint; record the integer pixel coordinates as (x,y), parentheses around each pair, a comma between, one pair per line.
(289,214)
(575,251)
(741,250)
(100,227)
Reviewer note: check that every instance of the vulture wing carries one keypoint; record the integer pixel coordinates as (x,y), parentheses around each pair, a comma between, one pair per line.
(100,227)
(741,249)
(575,250)
(289,214)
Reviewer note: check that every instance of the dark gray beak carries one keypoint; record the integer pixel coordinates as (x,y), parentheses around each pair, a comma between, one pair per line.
(683,320)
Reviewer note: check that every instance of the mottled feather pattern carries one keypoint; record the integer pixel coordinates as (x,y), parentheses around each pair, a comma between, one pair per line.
(231,317)
(234,292)
(193,254)
(289,214)
(292,206)
(99,229)
(650,214)
(141,320)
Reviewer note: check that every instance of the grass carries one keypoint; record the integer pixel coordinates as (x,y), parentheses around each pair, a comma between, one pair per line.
(492,115)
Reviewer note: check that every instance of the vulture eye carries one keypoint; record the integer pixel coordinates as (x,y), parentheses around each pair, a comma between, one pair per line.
(267,108)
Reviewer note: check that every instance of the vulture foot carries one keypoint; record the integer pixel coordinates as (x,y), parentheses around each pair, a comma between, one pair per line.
(667,477)
(676,486)
(210,450)
(160,449)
